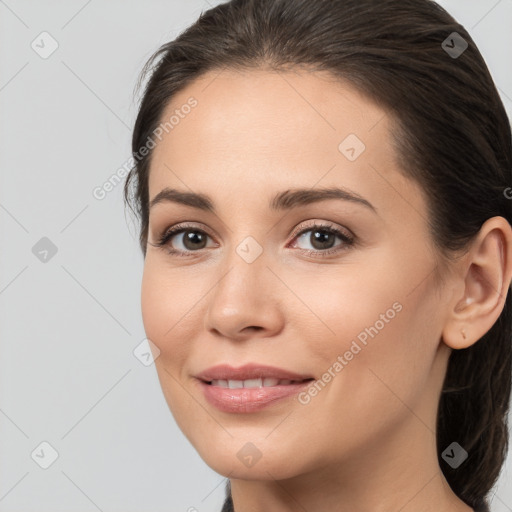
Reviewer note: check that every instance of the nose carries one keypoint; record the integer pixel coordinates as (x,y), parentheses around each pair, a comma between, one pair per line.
(245,302)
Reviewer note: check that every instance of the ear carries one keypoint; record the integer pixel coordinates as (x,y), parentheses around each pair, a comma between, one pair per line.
(484,277)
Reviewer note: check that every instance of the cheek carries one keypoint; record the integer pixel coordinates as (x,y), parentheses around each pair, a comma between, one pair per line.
(153,304)
(368,335)
(165,302)
(386,384)
(341,306)
(167,311)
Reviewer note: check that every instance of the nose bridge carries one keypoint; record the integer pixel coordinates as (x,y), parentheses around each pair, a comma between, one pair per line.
(244,275)
(243,296)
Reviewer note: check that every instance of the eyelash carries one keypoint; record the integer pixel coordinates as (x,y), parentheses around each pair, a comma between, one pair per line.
(168,234)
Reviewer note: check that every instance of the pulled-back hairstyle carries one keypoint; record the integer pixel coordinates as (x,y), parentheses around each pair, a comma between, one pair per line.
(450,131)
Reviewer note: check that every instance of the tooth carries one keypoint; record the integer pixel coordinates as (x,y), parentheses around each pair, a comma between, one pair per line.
(253,383)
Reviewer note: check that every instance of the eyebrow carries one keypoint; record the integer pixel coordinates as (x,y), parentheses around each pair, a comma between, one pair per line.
(285,200)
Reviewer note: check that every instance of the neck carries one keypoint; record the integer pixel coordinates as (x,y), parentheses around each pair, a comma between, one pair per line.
(392,474)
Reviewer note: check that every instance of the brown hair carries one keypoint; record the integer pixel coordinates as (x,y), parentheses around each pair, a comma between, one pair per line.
(452,136)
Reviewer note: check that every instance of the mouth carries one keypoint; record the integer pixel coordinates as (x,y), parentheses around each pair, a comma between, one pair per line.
(250,375)
(249,388)
(248,396)
(267,382)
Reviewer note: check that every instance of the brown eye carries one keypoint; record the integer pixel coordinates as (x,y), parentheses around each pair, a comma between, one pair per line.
(191,239)
(323,239)
(182,240)
(194,240)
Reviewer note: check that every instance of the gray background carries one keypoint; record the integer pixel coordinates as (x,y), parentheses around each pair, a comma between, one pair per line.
(69,325)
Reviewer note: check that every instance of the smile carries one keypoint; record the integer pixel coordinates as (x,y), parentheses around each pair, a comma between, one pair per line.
(253,383)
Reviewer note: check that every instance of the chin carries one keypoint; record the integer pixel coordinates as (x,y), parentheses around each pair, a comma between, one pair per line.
(243,459)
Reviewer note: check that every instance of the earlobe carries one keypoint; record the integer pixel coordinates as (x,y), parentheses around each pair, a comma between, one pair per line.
(486,271)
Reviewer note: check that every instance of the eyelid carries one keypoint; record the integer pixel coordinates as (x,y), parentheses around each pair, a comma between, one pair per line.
(182,226)
(320,224)
(170,232)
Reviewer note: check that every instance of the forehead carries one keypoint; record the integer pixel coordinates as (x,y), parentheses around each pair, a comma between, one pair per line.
(254,130)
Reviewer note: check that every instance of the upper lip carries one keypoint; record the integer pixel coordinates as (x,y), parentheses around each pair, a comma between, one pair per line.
(248,371)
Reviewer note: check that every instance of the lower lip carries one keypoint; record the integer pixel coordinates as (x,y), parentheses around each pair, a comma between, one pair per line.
(243,400)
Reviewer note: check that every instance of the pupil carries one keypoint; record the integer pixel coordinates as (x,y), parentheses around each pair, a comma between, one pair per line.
(194,237)
(321,241)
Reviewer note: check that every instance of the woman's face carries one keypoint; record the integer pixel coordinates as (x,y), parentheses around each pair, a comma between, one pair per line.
(337,288)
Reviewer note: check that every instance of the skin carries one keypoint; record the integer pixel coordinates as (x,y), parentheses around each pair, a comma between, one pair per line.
(366,441)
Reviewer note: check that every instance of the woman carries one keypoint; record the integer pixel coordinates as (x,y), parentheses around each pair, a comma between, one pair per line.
(339,338)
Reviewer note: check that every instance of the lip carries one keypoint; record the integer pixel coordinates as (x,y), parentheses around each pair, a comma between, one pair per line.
(247,400)
(248,371)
